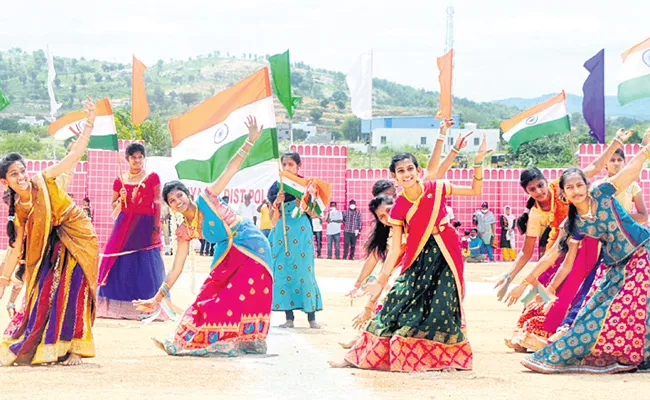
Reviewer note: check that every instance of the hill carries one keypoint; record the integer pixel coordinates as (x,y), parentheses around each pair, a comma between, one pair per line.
(639,110)
(174,86)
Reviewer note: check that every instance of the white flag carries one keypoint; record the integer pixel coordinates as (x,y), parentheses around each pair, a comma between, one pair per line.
(359,81)
(51,75)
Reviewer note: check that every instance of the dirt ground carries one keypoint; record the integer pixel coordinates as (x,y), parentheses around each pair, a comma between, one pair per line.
(128,366)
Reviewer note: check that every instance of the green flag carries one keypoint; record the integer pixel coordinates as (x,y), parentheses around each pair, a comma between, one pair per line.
(281,73)
(3,101)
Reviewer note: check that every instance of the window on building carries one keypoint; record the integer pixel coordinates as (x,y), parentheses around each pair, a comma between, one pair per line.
(423,140)
(450,141)
(477,141)
(383,140)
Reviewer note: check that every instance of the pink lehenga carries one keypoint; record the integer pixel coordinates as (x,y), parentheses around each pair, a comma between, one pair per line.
(231,313)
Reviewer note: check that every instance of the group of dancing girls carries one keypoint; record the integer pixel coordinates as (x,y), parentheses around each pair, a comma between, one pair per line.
(591,318)
(57,244)
(586,309)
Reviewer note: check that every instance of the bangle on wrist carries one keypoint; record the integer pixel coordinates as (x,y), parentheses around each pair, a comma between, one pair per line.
(646,153)
(441,138)
(477,179)
(478,165)
(455,149)
(248,142)
(617,139)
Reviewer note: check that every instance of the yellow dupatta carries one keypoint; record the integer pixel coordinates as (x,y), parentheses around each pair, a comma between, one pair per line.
(53,208)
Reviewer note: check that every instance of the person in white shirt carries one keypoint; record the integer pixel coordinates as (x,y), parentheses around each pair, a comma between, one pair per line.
(333,230)
(247,209)
(317,225)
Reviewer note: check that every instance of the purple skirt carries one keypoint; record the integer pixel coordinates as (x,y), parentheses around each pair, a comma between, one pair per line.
(132,267)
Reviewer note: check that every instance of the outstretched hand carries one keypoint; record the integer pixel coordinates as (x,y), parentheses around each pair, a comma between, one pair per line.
(482,151)
(253,131)
(445,125)
(90,110)
(461,141)
(624,135)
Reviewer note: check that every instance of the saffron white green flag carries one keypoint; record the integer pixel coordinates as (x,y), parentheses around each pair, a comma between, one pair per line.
(634,80)
(205,138)
(545,119)
(103,135)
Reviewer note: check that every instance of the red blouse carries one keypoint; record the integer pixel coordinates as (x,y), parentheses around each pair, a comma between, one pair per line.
(147,192)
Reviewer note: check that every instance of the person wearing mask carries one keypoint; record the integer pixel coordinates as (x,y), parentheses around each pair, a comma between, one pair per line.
(247,209)
(475,247)
(265,219)
(352,229)
(334,220)
(317,225)
(485,224)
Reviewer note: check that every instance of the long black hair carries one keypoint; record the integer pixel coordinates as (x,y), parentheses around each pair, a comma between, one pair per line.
(570,225)
(7,162)
(381,186)
(378,240)
(401,157)
(527,176)
(174,185)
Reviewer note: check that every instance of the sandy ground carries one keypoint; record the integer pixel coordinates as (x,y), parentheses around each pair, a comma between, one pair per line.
(128,366)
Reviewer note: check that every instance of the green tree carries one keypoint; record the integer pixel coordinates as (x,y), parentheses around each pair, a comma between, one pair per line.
(299,134)
(24,143)
(351,129)
(57,82)
(190,99)
(98,77)
(340,105)
(339,96)
(324,103)
(316,114)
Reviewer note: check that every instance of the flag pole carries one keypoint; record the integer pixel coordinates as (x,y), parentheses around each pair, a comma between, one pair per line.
(370,134)
(284,217)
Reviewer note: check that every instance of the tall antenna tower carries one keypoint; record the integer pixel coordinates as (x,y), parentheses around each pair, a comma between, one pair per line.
(449,34)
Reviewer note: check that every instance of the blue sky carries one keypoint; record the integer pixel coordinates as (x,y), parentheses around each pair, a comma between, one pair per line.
(504,48)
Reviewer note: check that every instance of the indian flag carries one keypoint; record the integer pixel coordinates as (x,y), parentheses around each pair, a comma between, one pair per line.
(297,186)
(634,80)
(205,138)
(547,118)
(103,135)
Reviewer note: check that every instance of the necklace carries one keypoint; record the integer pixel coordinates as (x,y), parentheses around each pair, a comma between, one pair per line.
(131,175)
(589,216)
(193,226)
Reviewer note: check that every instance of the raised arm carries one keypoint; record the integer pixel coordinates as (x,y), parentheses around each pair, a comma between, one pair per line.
(477,182)
(461,143)
(72,158)
(235,162)
(631,171)
(600,163)
(432,167)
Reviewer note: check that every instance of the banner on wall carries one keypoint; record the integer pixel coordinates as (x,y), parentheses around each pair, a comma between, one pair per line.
(251,180)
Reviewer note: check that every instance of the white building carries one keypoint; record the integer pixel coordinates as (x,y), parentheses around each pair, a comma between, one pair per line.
(31,120)
(284,132)
(398,137)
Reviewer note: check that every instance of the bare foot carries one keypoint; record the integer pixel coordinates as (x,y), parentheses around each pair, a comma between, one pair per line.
(159,344)
(72,360)
(348,345)
(288,324)
(339,364)
(315,325)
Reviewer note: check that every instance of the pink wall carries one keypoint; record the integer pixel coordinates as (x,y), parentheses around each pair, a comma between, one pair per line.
(95,177)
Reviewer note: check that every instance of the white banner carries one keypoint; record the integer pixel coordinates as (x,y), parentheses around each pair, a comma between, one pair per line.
(254,180)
